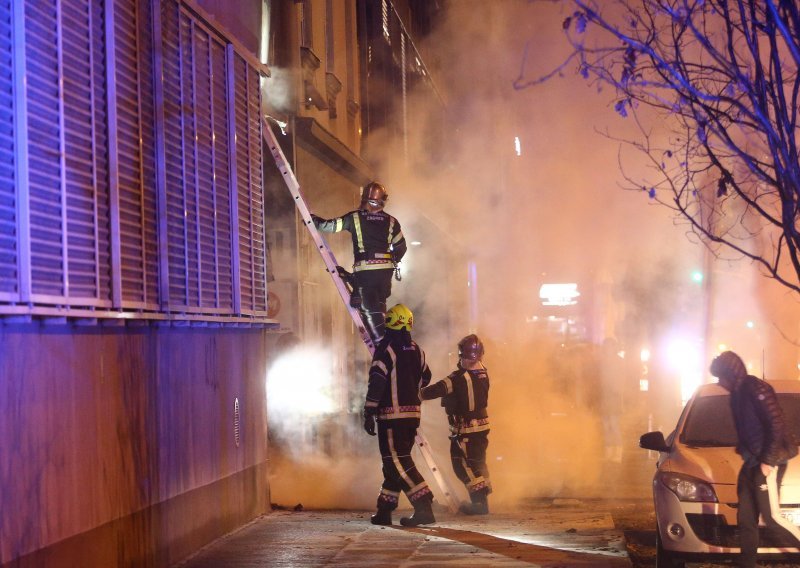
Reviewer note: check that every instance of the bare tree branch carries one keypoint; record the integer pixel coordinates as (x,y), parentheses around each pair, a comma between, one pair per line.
(723,76)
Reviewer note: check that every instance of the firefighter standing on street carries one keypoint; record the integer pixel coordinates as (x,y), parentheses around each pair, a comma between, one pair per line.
(397,373)
(465,396)
(378,245)
(765,446)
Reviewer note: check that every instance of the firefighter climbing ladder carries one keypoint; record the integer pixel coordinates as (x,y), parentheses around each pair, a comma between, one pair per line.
(331,267)
(327,255)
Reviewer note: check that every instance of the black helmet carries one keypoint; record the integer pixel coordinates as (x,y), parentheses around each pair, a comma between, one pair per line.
(375,194)
(471,347)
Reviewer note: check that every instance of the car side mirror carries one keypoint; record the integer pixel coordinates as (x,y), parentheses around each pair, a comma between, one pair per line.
(653,441)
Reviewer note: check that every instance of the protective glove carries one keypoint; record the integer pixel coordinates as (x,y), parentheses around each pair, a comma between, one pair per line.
(344,275)
(369,420)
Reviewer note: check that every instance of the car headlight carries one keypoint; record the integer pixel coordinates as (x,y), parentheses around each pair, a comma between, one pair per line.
(688,488)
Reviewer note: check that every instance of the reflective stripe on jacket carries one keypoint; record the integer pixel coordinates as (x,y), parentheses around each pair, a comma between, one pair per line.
(397,373)
(378,241)
(465,397)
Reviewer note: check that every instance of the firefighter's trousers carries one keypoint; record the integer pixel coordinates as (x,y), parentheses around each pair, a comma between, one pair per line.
(468,455)
(374,287)
(399,471)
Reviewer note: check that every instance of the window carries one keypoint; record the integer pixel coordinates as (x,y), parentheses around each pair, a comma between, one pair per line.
(306,26)
(330,61)
(710,422)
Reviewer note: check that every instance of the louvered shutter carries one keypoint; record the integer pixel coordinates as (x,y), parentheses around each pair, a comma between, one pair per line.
(44,135)
(133,129)
(250,188)
(106,203)
(197,165)
(9,233)
(222,178)
(67,181)
(85,161)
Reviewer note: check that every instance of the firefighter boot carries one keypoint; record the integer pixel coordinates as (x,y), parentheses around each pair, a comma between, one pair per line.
(375,322)
(382,517)
(478,506)
(423,514)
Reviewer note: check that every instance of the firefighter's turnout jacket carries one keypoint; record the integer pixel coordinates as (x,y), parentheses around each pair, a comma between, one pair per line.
(465,397)
(398,371)
(378,241)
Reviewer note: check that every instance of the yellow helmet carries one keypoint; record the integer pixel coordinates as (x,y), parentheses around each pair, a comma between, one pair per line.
(399,317)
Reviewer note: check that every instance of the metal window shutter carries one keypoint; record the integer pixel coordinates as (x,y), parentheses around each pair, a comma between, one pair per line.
(90,232)
(148,120)
(174,153)
(221,142)
(250,189)
(136,161)
(45,173)
(67,165)
(197,165)
(190,174)
(213,202)
(9,244)
(85,162)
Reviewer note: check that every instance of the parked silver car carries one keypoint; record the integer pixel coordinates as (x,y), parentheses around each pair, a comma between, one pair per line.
(694,487)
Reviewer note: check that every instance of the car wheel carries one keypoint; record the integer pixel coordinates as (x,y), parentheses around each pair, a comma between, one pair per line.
(663,558)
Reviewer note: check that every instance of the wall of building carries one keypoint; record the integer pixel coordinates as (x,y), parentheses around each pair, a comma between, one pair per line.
(123,446)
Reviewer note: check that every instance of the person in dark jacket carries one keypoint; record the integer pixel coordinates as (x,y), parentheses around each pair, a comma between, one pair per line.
(378,246)
(765,446)
(465,397)
(397,373)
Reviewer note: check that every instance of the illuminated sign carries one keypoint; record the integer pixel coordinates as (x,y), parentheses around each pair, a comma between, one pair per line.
(559,294)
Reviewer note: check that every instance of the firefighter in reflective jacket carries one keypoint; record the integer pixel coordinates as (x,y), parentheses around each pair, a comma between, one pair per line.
(378,245)
(465,396)
(397,373)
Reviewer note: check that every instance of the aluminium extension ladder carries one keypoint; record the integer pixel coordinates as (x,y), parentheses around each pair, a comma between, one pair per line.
(331,267)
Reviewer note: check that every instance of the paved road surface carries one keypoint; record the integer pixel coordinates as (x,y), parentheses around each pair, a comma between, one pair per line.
(553,534)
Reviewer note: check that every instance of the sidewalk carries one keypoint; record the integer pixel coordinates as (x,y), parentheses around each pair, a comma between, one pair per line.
(569,533)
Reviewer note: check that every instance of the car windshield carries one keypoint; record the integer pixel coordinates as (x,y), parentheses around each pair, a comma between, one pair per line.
(710,423)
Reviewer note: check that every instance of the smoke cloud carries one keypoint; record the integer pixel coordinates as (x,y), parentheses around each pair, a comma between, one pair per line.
(548,208)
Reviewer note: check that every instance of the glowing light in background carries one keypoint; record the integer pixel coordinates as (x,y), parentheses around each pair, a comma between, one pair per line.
(517,146)
(300,383)
(686,360)
(559,294)
(750,324)
(697,276)
(644,381)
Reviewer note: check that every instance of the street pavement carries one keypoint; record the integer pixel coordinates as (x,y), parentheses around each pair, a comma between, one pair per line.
(553,533)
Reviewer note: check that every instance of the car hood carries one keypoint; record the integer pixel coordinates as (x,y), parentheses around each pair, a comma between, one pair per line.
(720,467)
(715,465)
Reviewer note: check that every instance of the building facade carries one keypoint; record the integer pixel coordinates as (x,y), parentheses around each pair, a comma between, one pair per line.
(134,333)
(151,257)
